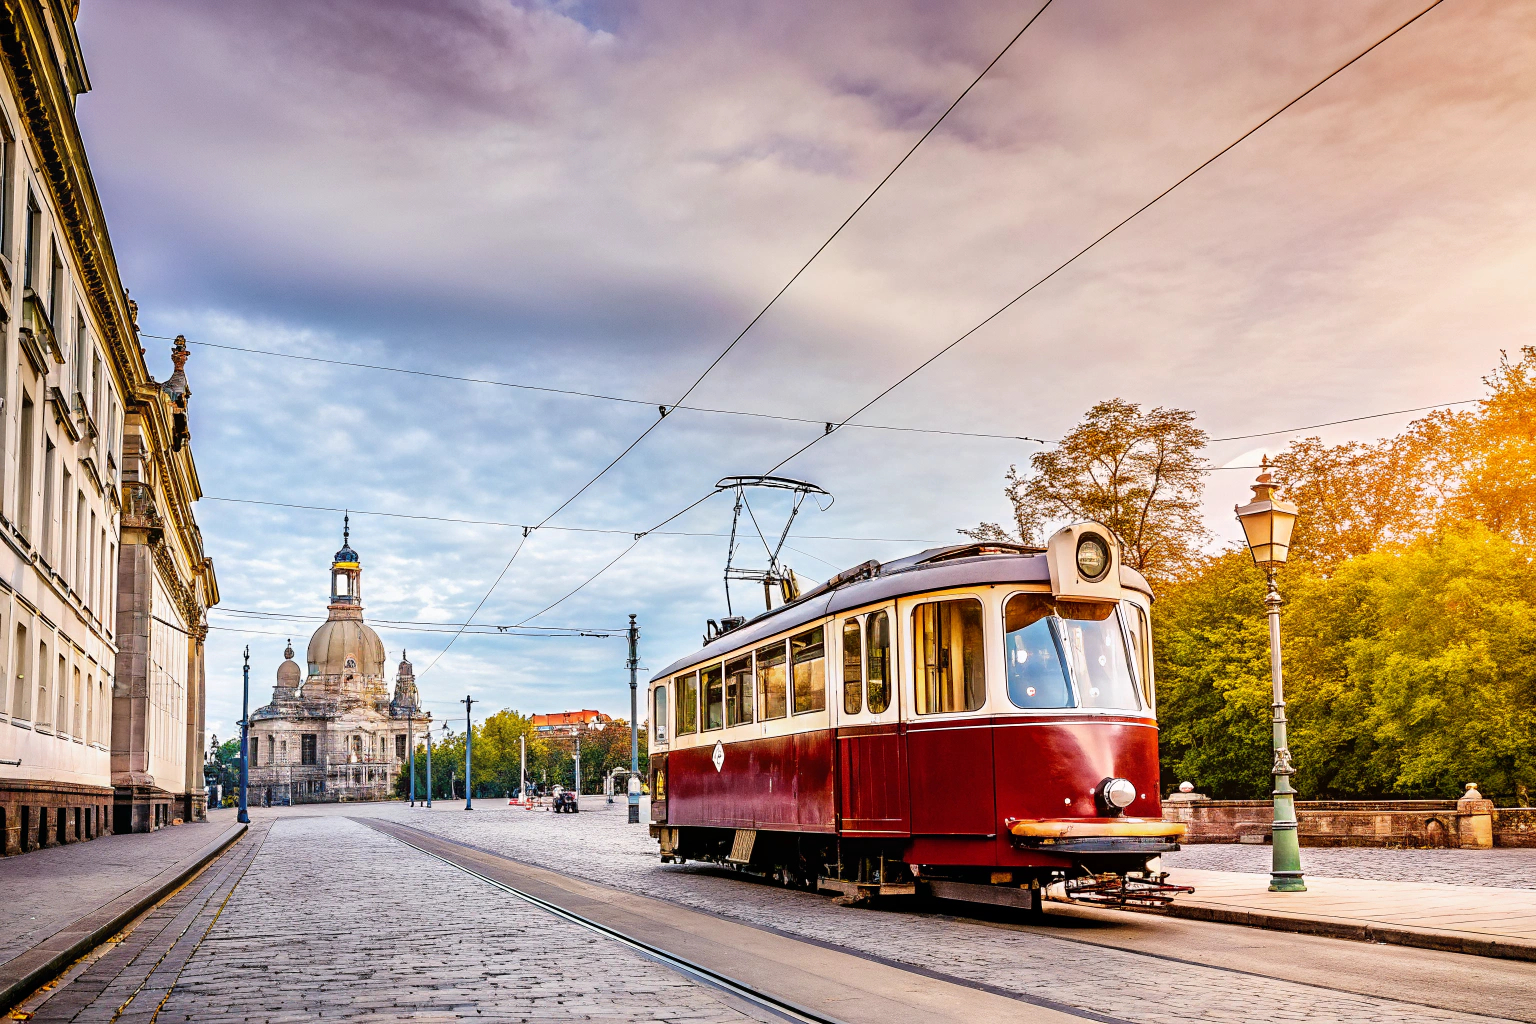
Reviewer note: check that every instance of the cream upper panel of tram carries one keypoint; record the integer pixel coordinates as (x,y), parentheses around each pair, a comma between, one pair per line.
(988,695)
(795,715)
(1126,629)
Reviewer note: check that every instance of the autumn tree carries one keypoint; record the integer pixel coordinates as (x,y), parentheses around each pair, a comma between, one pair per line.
(1355,496)
(1137,473)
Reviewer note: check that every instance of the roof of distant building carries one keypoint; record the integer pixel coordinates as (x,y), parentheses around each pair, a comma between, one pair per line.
(584,717)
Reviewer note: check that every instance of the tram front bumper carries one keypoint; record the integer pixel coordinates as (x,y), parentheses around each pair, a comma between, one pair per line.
(1146,836)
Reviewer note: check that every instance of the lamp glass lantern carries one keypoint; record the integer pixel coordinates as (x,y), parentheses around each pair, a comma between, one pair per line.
(1267,523)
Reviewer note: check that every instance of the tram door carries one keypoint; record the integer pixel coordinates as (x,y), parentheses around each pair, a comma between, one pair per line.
(871,742)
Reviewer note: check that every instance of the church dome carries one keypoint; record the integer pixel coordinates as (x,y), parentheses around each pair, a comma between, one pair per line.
(288,675)
(339,639)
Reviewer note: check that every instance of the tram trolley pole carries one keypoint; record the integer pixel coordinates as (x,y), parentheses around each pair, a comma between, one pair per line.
(429,767)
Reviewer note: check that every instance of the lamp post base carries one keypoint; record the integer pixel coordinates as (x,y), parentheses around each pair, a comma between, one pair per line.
(1286,881)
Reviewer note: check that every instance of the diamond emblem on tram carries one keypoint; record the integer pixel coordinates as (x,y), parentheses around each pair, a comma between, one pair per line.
(719,755)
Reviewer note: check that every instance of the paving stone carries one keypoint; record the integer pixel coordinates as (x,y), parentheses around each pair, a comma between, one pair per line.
(1513,868)
(603,847)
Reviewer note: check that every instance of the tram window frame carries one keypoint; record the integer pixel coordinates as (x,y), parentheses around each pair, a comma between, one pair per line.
(1023,695)
(869,663)
(815,665)
(1140,635)
(1089,696)
(771,675)
(687,711)
(933,694)
(739,691)
(659,712)
(712,698)
(853,669)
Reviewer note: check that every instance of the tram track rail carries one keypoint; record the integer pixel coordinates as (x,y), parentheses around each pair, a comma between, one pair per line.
(779,1007)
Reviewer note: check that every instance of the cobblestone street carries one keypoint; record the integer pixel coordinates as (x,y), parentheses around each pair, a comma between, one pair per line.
(313,915)
(321,917)
(1123,984)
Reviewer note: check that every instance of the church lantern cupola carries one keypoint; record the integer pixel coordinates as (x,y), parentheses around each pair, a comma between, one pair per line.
(346,571)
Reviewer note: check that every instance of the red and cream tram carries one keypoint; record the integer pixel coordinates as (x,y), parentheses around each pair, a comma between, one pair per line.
(976,720)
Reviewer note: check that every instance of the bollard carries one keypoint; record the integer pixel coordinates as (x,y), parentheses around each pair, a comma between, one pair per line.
(1474,820)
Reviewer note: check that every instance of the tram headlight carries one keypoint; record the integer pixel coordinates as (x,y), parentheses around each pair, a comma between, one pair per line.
(1092,557)
(1117,794)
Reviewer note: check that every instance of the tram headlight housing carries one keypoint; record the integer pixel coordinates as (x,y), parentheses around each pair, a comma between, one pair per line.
(1115,795)
(1093,559)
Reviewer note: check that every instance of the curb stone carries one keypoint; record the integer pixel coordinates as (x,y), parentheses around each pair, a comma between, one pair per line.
(33,968)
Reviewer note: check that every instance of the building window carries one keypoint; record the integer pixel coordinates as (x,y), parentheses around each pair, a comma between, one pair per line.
(55,285)
(255,751)
(807,656)
(271,749)
(400,747)
(31,271)
(50,460)
(951,672)
(24,468)
(21,695)
(307,752)
(282,751)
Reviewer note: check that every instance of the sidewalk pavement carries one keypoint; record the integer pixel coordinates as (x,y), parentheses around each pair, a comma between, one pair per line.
(1476,919)
(62,902)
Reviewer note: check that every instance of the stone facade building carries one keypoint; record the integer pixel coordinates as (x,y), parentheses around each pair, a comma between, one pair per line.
(334,732)
(71,372)
(165,585)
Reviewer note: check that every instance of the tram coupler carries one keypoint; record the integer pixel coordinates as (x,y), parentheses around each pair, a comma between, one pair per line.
(1148,892)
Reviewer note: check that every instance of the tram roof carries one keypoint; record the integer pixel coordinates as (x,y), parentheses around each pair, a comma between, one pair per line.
(955,565)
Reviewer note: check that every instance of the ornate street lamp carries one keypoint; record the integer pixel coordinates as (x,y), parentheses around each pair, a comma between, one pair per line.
(1267,524)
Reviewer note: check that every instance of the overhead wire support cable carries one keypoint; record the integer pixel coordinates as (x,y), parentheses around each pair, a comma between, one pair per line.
(1226,149)
(1101,238)
(734,341)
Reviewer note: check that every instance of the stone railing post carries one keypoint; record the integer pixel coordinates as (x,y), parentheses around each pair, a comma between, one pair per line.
(1474,820)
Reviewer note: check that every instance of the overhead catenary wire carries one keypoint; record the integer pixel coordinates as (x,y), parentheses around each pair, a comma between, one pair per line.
(734,341)
(1101,238)
(1067,263)
(522,526)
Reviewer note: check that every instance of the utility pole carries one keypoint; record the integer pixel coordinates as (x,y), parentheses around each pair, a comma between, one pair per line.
(634,724)
(522,767)
(244,816)
(469,741)
(429,767)
(410,747)
(577,756)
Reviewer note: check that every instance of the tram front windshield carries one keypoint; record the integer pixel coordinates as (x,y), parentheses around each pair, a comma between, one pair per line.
(1066,654)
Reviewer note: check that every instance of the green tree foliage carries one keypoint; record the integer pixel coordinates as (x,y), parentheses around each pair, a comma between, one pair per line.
(1409,623)
(496,758)
(1137,473)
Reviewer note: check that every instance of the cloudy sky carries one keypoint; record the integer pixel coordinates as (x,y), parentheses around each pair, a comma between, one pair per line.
(599,196)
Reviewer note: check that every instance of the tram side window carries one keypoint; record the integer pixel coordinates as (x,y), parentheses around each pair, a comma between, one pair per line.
(1037,675)
(713,684)
(687,704)
(1095,648)
(808,655)
(738,692)
(771,688)
(1141,646)
(951,669)
(877,658)
(660,714)
(853,667)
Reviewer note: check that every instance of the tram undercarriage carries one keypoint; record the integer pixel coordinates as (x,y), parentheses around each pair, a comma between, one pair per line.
(1099,871)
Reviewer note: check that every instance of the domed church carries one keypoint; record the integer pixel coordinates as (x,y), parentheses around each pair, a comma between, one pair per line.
(333,730)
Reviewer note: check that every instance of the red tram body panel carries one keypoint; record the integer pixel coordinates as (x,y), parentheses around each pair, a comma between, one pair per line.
(979,713)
